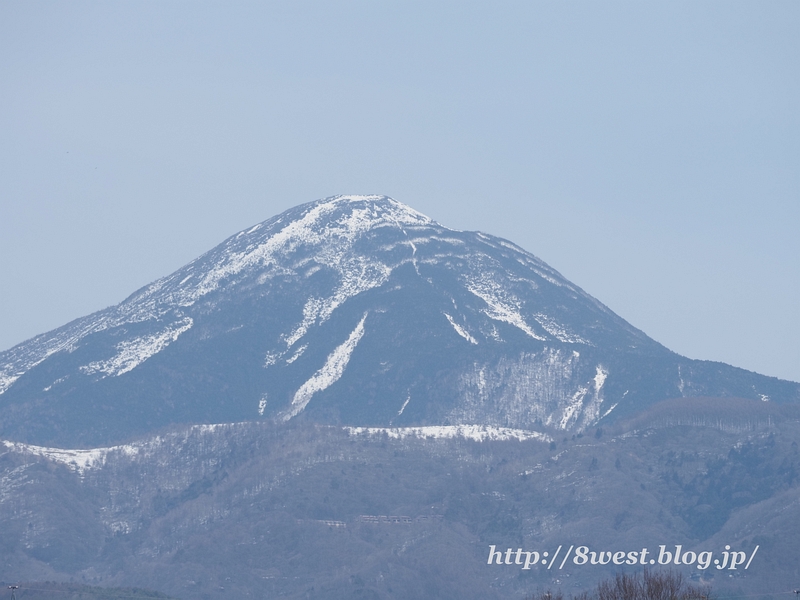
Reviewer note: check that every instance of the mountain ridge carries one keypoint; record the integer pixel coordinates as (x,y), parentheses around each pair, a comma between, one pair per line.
(295,509)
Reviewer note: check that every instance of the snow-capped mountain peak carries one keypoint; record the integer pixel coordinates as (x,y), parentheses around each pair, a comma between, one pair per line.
(352,310)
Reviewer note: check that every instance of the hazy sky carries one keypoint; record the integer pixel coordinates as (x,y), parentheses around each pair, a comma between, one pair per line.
(648,151)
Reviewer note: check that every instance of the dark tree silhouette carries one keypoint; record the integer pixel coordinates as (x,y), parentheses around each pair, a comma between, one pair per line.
(663,585)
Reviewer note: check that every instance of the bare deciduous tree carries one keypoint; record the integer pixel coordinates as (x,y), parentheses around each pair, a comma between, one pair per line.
(664,585)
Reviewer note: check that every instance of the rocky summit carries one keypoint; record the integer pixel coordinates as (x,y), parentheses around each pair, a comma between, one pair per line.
(356,311)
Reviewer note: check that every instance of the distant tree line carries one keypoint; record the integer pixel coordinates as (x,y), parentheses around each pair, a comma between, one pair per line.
(48,590)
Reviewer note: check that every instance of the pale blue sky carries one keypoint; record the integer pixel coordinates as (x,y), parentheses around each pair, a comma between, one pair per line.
(648,151)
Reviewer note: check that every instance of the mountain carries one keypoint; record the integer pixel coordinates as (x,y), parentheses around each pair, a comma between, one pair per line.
(352,310)
(350,400)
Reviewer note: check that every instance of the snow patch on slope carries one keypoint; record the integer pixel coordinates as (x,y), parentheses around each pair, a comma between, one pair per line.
(298,353)
(501,304)
(27,355)
(7,379)
(402,408)
(608,412)
(600,379)
(582,412)
(77,460)
(478,433)
(134,352)
(559,331)
(460,330)
(569,411)
(357,275)
(330,372)
(83,460)
(337,238)
(300,231)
